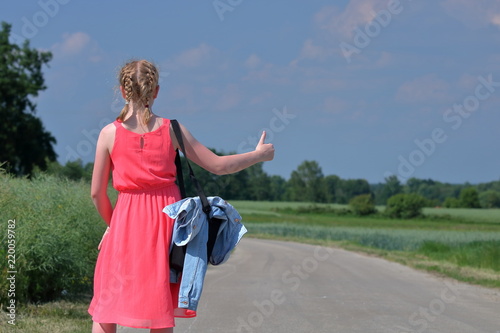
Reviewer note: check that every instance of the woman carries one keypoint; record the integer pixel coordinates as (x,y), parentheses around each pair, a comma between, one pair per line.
(131,281)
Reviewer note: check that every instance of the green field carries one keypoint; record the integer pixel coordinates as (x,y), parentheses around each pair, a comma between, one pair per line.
(475,215)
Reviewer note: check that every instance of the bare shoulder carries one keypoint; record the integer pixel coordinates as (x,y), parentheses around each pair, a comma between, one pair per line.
(109,129)
(173,137)
(187,136)
(107,136)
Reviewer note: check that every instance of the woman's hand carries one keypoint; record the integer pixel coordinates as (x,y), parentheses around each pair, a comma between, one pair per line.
(102,239)
(265,149)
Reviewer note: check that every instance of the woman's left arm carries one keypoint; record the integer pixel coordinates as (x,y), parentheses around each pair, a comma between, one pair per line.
(223,165)
(100,175)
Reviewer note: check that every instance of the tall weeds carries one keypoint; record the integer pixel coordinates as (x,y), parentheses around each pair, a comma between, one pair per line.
(57,230)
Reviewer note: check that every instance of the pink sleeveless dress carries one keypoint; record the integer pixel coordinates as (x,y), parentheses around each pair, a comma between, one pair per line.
(131,280)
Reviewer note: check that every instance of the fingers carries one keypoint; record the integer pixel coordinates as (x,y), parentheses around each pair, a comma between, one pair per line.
(266,149)
(102,239)
(262,138)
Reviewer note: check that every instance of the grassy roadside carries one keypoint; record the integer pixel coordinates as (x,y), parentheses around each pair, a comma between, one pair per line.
(461,244)
(54,317)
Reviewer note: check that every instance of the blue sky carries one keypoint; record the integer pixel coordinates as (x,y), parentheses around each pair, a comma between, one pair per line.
(367,88)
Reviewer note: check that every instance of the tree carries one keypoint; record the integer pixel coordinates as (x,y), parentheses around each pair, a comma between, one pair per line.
(233,186)
(392,187)
(469,198)
(451,202)
(277,187)
(25,142)
(306,183)
(435,192)
(258,183)
(350,188)
(490,199)
(332,188)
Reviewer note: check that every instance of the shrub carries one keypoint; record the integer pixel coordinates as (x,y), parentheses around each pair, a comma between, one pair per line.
(489,199)
(451,202)
(57,230)
(362,204)
(469,198)
(405,205)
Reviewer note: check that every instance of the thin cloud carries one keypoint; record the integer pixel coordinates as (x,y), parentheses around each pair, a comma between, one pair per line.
(496,20)
(253,61)
(334,105)
(310,50)
(229,98)
(474,14)
(77,44)
(72,44)
(425,89)
(195,57)
(334,24)
(355,14)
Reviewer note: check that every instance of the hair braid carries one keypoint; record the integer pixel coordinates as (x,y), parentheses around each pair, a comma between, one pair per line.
(139,80)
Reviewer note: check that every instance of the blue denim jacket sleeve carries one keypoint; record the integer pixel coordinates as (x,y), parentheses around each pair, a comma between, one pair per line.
(191,227)
(230,232)
(187,219)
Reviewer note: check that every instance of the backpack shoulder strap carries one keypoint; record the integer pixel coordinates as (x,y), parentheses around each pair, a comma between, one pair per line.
(197,185)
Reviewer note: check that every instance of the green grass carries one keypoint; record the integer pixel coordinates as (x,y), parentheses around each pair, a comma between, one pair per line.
(483,215)
(435,219)
(465,214)
(385,239)
(54,317)
(478,253)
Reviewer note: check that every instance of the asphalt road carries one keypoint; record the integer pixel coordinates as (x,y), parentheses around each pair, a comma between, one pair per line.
(271,286)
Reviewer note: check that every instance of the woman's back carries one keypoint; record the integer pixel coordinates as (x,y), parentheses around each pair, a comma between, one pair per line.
(143,161)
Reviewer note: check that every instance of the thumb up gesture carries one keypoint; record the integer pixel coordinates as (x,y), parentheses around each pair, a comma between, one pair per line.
(266,150)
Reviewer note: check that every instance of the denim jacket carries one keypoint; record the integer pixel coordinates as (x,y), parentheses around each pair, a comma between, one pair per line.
(191,228)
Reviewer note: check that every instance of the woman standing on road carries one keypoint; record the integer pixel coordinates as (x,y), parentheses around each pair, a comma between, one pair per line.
(131,281)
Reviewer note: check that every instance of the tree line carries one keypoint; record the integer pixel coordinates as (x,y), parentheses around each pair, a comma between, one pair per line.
(307,183)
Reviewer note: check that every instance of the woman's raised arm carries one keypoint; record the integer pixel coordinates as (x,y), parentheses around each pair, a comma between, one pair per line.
(222,165)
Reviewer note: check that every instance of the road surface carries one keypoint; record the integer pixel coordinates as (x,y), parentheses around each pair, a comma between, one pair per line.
(272,286)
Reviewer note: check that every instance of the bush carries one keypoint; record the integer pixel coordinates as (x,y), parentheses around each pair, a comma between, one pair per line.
(362,204)
(405,205)
(469,198)
(451,203)
(57,230)
(489,199)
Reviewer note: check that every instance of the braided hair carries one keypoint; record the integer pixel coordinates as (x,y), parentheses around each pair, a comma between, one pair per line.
(139,80)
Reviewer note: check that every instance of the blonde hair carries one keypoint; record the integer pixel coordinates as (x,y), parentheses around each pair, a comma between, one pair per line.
(139,80)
